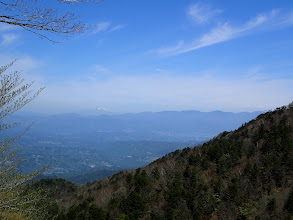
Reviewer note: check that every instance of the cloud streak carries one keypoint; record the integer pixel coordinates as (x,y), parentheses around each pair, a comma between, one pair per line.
(226,32)
(201,13)
(102,26)
(117,27)
(107,26)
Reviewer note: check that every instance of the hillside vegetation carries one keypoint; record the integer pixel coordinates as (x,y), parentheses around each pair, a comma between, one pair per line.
(243,174)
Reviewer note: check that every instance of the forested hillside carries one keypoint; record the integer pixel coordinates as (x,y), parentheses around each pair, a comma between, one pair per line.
(243,174)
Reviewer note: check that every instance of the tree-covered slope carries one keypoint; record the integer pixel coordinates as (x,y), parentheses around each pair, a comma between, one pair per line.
(244,174)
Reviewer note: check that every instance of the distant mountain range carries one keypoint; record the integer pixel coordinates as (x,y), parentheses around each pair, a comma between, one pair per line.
(76,143)
(156,126)
(242,174)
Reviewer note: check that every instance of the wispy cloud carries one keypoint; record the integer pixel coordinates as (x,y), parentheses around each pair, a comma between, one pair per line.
(7,27)
(101,69)
(117,27)
(24,63)
(102,26)
(30,68)
(224,32)
(159,70)
(201,13)
(28,63)
(107,26)
(8,39)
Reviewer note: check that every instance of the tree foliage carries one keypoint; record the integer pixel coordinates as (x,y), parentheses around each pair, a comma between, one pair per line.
(243,174)
(14,197)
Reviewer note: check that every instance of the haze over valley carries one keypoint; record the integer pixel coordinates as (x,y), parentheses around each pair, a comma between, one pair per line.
(77,144)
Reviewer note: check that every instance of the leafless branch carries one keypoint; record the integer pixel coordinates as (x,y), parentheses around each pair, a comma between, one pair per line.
(34,16)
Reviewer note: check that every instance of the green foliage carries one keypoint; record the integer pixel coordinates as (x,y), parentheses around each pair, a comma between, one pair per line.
(59,185)
(129,178)
(141,180)
(174,193)
(85,210)
(156,173)
(272,205)
(169,213)
(115,203)
(218,187)
(134,205)
(156,216)
(193,160)
(251,150)
(232,191)
(185,152)
(53,209)
(289,203)
(122,217)
(227,150)
(260,134)
(244,210)
(186,172)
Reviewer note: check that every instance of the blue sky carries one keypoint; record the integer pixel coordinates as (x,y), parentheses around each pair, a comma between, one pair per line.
(162,55)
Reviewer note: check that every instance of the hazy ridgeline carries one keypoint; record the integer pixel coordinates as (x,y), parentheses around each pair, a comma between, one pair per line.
(76,143)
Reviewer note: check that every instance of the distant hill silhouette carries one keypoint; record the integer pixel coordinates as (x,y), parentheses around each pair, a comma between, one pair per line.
(157,126)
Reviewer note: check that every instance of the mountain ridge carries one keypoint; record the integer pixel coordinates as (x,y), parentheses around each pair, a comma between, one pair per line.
(243,174)
(160,126)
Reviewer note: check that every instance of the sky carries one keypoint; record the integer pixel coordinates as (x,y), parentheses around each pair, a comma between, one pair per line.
(165,55)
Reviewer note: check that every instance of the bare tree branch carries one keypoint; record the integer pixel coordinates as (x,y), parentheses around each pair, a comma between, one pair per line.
(33,16)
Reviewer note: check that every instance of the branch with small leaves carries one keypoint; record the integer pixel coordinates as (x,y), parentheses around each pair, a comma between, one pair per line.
(15,198)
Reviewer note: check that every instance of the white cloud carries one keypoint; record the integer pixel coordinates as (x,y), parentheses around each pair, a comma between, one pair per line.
(201,13)
(103,109)
(102,26)
(29,67)
(7,27)
(157,92)
(24,63)
(225,32)
(107,26)
(117,27)
(27,63)
(159,70)
(101,69)
(8,39)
